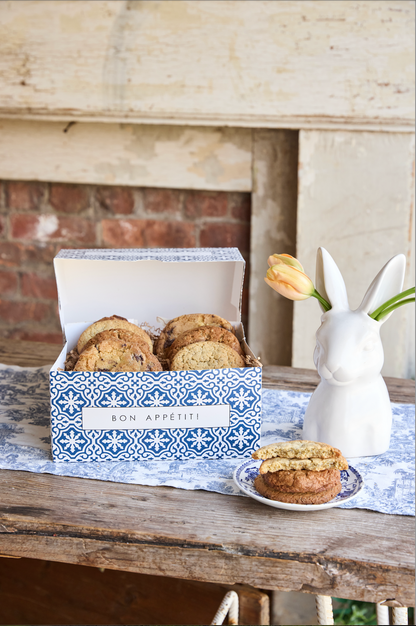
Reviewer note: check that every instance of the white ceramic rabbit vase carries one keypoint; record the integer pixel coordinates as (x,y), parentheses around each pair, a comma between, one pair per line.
(350,409)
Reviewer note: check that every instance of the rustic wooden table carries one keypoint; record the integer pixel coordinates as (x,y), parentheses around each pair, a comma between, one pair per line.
(204,536)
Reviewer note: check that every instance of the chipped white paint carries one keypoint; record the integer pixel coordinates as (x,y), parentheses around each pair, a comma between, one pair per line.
(359,205)
(126,154)
(292,64)
(229,605)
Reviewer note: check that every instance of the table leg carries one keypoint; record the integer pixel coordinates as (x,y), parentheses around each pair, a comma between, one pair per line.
(382,614)
(324,609)
(400,615)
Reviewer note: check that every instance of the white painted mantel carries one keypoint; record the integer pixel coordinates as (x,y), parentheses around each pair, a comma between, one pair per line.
(306,104)
(292,64)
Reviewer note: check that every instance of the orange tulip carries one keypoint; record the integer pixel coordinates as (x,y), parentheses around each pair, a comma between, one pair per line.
(285,259)
(289,281)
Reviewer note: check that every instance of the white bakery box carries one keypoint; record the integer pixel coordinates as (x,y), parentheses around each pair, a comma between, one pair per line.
(105,416)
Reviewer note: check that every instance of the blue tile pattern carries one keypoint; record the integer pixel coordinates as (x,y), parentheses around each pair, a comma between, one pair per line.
(71,391)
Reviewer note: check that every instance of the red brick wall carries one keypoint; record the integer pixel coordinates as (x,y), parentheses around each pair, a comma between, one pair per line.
(38,219)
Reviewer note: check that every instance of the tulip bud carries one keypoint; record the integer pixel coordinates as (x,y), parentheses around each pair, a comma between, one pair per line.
(285,259)
(289,282)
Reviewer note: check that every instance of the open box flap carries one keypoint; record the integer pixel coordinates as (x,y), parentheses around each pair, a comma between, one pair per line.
(146,284)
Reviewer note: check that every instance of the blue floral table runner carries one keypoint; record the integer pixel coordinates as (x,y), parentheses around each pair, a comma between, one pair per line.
(25,445)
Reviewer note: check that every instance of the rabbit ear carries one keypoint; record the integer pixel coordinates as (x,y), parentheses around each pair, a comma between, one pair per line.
(387,284)
(329,281)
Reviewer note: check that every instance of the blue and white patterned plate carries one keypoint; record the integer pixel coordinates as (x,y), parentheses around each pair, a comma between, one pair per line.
(244,476)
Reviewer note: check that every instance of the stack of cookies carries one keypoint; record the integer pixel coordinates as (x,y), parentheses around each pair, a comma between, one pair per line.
(300,472)
(113,344)
(196,341)
(199,342)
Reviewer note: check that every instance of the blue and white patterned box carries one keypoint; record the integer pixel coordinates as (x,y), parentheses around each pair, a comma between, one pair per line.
(102,416)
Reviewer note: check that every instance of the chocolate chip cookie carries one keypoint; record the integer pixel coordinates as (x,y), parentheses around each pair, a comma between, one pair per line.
(117,350)
(182,324)
(108,323)
(204,333)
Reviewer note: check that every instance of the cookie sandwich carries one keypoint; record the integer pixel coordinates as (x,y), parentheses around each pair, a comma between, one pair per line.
(299,472)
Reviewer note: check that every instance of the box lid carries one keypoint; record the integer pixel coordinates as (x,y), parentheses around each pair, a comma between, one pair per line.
(148,283)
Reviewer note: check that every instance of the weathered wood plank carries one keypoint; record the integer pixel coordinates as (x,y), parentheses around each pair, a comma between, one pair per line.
(320,64)
(273,229)
(47,502)
(356,200)
(346,580)
(175,157)
(28,353)
(299,379)
(205,536)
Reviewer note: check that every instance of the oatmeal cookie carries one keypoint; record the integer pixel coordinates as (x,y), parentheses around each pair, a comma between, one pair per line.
(182,324)
(205,333)
(308,497)
(299,481)
(108,323)
(278,463)
(117,350)
(206,355)
(297,449)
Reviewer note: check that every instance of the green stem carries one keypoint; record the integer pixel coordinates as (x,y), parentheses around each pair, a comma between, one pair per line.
(392,308)
(381,308)
(322,300)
